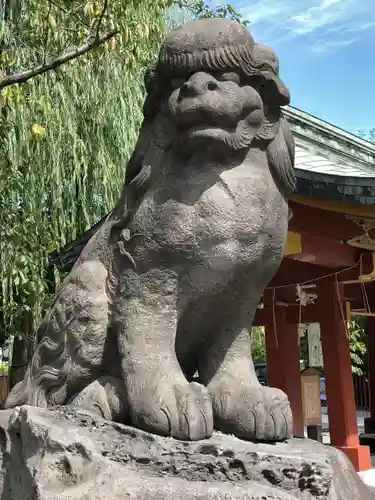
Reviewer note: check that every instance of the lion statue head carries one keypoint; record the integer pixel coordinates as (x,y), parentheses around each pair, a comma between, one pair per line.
(214,88)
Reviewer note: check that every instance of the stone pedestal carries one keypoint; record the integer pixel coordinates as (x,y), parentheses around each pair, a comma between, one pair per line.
(58,454)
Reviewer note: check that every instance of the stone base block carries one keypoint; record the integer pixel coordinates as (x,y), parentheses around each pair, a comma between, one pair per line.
(60,454)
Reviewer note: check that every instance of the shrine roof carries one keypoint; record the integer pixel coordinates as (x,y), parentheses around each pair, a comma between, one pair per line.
(330,162)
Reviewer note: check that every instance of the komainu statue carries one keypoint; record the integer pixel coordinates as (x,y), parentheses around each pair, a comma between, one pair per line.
(169,284)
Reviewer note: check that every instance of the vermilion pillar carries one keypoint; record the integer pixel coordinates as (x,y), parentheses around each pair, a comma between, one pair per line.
(338,375)
(370,331)
(370,334)
(283,359)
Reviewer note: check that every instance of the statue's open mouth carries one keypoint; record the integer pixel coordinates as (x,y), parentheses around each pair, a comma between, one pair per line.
(192,114)
(204,130)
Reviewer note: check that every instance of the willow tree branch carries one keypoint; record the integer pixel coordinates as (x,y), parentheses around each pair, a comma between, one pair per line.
(101,17)
(54,63)
(77,16)
(46,35)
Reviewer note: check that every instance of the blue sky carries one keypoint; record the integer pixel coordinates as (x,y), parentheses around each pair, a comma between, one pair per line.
(327,54)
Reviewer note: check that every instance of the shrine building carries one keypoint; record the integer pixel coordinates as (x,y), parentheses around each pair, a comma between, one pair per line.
(327,274)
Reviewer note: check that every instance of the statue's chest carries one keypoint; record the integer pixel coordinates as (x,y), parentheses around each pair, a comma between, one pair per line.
(236,200)
(204,208)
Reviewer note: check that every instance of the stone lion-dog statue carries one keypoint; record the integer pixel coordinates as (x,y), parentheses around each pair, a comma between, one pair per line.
(169,284)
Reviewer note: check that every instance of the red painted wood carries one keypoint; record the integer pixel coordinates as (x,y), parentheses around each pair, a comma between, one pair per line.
(337,366)
(325,251)
(292,271)
(307,314)
(322,222)
(283,360)
(338,375)
(370,331)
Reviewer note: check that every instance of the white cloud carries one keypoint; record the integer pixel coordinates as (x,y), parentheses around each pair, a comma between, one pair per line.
(324,46)
(328,3)
(335,23)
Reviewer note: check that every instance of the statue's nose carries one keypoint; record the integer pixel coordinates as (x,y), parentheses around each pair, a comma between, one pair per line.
(198,84)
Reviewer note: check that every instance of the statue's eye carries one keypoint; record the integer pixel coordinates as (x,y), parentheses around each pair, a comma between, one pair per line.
(228,76)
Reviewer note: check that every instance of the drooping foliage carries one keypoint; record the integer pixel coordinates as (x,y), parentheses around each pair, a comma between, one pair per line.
(357,343)
(356,338)
(258,345)
(65,136)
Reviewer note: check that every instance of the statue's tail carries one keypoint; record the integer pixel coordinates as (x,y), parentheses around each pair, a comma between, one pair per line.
(40,379)
(26,393)
(18,395)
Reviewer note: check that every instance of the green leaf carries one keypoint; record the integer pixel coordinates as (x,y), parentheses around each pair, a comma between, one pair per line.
(52,190)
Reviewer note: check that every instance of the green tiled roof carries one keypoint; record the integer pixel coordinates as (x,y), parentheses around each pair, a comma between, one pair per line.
(322,148)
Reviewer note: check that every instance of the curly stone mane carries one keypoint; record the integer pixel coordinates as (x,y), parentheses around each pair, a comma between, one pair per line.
(275,134)
(46,379)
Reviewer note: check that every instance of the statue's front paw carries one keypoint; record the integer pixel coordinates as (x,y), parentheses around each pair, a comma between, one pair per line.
(252,412)
(182,411)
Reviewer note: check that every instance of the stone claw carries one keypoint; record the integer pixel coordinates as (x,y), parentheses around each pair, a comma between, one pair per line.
(252,412)
(185,413)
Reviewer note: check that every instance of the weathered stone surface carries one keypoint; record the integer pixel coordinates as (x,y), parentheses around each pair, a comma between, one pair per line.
(58,454)
(169,284)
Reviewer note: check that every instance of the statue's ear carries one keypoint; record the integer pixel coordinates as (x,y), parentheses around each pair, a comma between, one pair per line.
(163,131)
(271,124)
(280,155)
(159,132)
(134,164)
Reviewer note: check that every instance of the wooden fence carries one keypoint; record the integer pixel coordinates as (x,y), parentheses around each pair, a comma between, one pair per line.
(361,385)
